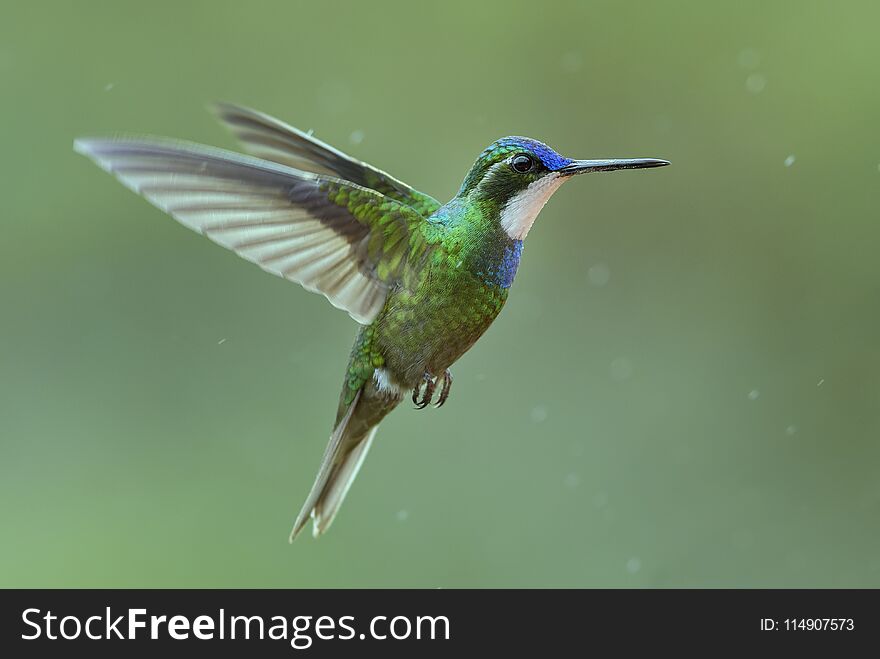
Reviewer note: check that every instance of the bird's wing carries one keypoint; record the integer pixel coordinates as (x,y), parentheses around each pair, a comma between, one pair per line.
(347,242)
(266,137)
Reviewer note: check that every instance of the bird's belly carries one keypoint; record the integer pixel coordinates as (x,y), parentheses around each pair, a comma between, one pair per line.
(428,329)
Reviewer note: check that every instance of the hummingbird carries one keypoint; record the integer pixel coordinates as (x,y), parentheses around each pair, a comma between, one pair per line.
(423,280)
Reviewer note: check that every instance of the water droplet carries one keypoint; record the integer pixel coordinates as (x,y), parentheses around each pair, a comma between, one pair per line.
(356,137)
(538,413)
(789,161)
(571,62)
(221,342)
(756,82)
(791,430)
(599,274)
(633,565)
(108,86)
(749,58)
(754,394)
(820,382)
(621,369)
(402,515)
(571,481)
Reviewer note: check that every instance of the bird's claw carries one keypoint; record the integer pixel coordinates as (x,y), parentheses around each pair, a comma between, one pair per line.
(429,382)
(444,390)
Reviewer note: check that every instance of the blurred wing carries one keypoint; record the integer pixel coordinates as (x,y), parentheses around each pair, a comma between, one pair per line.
(335,238)
(269,138)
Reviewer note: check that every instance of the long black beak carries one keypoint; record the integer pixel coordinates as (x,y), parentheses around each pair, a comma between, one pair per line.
(584,166)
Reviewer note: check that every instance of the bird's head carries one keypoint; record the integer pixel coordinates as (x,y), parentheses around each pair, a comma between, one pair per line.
(515,176)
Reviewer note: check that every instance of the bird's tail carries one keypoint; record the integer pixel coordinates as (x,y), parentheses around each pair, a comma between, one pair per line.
(348,446)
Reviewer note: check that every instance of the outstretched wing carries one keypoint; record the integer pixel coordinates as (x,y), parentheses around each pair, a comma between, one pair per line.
(267,137)
(349,243)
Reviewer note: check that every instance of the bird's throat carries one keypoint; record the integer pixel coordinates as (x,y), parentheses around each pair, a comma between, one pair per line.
(520,211)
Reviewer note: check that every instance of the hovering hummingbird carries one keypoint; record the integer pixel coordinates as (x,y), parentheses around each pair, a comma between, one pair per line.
(423,279)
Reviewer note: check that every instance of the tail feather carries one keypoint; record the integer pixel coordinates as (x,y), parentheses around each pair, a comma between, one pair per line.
(339,466)
(337,485)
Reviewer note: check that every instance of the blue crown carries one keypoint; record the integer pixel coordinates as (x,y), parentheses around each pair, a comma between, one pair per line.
(506,146)
(552,160)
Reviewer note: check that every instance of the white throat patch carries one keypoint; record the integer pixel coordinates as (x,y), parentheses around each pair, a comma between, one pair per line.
(520,212)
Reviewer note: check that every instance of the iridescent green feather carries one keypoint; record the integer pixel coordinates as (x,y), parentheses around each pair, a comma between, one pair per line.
(270,138)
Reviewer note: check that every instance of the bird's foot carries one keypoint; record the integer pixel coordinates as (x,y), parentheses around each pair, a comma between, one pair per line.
(429,382)
(444,390)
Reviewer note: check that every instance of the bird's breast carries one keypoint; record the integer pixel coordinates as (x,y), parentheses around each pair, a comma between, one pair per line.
(428,327)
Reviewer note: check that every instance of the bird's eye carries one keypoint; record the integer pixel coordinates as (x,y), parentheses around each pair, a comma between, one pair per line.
(522,163)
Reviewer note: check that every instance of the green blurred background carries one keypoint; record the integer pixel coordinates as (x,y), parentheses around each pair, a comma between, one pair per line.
(682,391)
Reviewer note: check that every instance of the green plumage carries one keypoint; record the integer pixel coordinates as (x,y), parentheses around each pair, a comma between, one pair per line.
(440,309)
(425,280)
